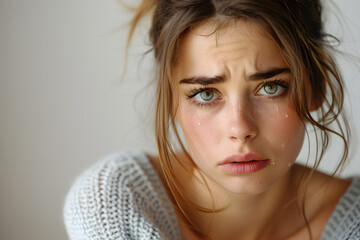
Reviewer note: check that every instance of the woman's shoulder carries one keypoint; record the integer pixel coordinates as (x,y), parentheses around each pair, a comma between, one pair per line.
(344,222)
(119,197)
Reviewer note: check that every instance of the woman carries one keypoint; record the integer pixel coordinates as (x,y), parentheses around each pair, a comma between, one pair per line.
(244,80)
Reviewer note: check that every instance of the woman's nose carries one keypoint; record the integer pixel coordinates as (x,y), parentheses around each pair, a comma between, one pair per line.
(242,123)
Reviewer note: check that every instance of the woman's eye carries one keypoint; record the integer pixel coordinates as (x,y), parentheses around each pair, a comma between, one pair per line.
(206,95)
(272,89)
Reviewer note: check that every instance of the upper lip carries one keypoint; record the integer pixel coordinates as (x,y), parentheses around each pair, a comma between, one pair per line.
(244,157)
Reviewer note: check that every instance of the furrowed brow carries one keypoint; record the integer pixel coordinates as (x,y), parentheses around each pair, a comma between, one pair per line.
(268,74)
(203,80)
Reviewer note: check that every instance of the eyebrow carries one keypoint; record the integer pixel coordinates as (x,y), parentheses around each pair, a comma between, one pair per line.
(204,80)
(268,74)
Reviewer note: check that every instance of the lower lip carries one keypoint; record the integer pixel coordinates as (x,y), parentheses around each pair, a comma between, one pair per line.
(244,167)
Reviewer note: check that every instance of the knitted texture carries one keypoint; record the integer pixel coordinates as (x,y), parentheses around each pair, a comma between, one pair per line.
(122,197)
(344,222)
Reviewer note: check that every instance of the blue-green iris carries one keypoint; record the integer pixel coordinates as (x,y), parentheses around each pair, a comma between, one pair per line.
(207,95)
(271,88)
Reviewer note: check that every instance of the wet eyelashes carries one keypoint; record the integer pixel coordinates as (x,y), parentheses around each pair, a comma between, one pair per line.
(273,89)
(206,96)
(203,94)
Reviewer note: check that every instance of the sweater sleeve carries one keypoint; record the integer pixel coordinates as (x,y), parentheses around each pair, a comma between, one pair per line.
(109,201)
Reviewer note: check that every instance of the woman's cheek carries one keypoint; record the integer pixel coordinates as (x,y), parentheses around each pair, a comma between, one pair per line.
(277,120)
(285,130)
(288,124)
(199,126)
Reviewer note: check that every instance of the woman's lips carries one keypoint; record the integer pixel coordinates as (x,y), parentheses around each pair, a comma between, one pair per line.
(244,163)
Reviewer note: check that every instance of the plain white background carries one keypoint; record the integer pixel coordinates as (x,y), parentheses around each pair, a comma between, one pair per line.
(63,104)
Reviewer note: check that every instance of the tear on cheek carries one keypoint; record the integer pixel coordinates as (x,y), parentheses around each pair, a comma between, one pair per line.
(199,118)
(278,112)
(281,114)
(290,164)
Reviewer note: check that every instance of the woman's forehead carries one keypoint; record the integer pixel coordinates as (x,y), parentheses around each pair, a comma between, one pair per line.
(207,48)
(217,27)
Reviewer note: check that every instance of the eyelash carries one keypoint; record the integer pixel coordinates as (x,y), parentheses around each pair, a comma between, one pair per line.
(278,82)
(196,91)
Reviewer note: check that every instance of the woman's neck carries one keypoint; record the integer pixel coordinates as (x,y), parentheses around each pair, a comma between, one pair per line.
(274,214)
(242,215)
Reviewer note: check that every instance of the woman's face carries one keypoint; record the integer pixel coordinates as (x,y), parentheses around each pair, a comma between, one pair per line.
(238,122)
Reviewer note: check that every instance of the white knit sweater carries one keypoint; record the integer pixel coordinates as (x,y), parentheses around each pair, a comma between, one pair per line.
(122,197)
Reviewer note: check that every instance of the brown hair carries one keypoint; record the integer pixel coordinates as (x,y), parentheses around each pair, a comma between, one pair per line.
(296,27)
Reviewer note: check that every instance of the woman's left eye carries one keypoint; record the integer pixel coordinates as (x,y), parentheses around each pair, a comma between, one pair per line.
(273,89)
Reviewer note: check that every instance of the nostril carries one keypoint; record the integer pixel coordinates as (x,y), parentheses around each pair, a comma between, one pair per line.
(233,138)
(242,139)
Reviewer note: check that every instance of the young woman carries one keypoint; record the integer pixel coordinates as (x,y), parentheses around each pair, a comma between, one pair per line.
(244,80)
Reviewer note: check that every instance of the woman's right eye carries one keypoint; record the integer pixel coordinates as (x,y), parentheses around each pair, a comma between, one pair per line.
(206,95)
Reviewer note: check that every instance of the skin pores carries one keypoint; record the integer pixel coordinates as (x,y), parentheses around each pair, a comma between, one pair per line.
(233,100)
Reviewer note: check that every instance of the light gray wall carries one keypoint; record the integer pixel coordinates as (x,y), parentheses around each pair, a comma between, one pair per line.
(63,105)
